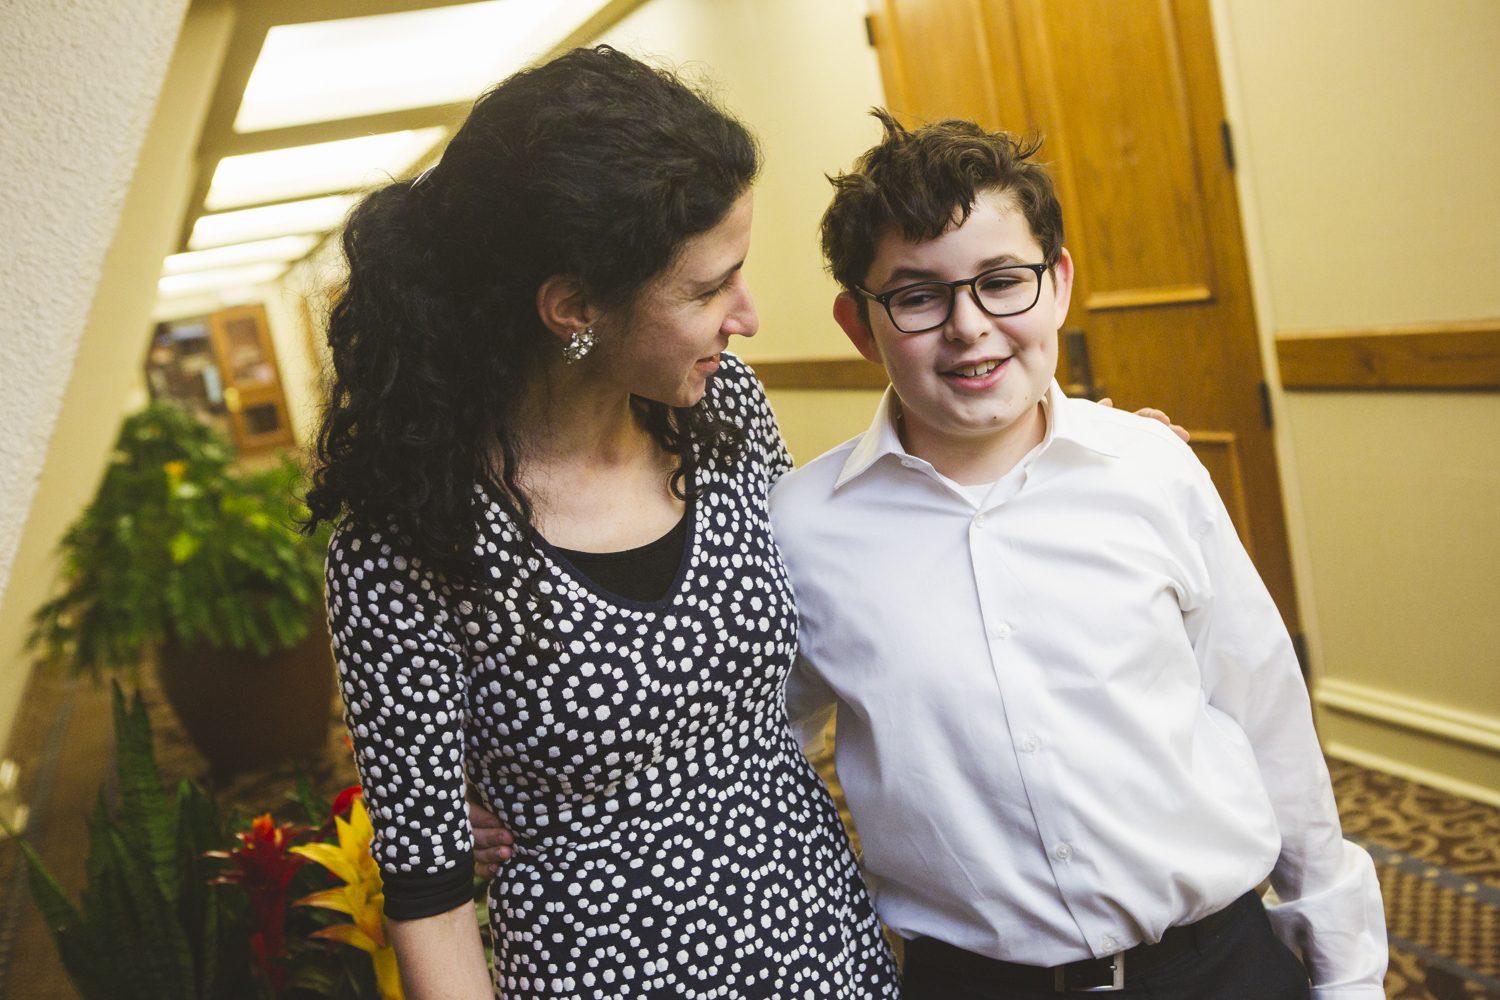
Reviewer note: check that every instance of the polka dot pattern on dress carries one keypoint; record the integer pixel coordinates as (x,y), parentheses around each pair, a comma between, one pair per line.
(671,838)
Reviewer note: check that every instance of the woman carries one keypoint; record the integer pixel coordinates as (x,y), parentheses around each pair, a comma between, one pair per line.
(553,571)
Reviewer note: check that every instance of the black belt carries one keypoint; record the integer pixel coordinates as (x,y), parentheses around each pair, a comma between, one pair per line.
(1094,975)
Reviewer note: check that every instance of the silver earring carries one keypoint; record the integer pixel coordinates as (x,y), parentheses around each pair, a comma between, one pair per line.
(578,345)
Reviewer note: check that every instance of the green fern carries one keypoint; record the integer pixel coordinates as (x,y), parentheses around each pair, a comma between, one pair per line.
(178,546)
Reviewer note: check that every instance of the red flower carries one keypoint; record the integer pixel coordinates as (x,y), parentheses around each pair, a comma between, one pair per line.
(263,867)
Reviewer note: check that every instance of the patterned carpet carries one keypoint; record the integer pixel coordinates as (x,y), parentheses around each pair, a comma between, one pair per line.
(1438,856)
(1439,861)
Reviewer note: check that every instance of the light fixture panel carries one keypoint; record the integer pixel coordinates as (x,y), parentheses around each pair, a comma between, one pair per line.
(326,70)
(283,248)
(320,168)
(175,285)
(293,218)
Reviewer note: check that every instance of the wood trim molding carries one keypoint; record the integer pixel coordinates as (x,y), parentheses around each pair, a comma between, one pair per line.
(1131,298)
(1430,356)
(1410,713)
(1421,775)
(821,373)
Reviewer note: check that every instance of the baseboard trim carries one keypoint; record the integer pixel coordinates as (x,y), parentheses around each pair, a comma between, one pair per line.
(1422,776)
(1411,713)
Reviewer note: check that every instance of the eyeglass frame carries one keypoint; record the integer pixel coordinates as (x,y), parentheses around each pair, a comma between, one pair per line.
(884,298)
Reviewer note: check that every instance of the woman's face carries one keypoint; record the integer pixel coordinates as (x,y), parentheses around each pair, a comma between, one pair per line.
(665,345)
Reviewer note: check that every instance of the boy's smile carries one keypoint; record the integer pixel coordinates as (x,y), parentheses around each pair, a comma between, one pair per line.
(969,389)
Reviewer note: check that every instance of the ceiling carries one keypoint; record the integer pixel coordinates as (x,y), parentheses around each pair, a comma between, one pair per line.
(319,100)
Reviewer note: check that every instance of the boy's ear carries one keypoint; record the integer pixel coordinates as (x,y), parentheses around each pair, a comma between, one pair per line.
(1062,285)
(846,313)
(562,307)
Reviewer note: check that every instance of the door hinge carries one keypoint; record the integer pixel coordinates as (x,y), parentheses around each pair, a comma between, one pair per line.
(1228,137)
(1265,406)
(870,29)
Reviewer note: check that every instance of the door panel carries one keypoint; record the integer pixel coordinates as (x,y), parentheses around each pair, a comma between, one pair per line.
(1127,98)
(1134,190)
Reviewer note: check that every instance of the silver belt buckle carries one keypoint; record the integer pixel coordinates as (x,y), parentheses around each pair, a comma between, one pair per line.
(1116,966)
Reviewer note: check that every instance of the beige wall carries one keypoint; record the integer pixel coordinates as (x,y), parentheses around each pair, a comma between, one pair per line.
(117,294)
(801,73)
(1369,138)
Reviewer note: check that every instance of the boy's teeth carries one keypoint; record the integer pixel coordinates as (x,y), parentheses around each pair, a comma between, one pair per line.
(970,371)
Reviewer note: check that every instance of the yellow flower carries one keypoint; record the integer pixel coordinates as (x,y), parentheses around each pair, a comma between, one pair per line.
(362,897)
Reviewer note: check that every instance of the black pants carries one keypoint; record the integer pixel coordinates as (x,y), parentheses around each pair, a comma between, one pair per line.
(1244,961)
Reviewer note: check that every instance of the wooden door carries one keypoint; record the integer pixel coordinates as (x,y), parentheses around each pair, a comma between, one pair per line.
(1126,96)
(246,361)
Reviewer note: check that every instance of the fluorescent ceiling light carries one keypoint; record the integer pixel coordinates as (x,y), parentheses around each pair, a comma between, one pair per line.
(299,171)
(202,281)
(294,218)
(284,248)
(326,70)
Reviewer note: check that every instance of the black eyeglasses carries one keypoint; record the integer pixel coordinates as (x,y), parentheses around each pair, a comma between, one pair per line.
(926,305)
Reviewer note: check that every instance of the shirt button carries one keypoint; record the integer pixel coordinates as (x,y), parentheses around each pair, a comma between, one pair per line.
(1032,744)
(1001,630)
(910,463)
(979,521)
(1109,943)
(1063,852)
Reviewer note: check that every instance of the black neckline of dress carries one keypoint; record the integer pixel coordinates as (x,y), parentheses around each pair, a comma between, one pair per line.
(567,569)
(575,556)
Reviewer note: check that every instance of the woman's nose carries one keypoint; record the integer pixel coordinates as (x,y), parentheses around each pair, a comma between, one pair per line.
(742,319)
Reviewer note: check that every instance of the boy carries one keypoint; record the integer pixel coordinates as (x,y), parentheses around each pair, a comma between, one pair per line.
(1071,727)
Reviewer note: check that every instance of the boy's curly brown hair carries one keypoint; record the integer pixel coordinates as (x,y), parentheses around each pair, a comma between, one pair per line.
(923,181)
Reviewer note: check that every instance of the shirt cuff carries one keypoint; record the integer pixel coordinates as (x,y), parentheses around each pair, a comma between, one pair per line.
(412,896)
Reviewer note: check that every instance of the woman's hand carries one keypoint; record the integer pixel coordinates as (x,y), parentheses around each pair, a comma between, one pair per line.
(1149,413)
(492,841)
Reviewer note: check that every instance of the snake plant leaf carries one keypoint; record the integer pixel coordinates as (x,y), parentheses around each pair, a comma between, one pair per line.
(76,947)
(168,957)
(148,825)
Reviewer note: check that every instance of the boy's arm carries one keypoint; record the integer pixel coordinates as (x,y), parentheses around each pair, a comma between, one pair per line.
(810,703)
(1331,913)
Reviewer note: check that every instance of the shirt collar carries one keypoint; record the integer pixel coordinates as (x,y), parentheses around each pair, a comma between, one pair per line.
(881,439)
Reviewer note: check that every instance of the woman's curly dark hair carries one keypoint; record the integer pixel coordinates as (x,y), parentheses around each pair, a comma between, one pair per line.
(594,165)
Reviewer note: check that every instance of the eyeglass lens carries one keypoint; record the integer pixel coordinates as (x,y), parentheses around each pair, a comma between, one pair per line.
(1004,291)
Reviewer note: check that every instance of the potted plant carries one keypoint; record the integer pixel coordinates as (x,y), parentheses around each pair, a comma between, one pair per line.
(180,902)
(182,558)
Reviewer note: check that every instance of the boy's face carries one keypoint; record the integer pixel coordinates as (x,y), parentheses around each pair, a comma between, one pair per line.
(944,396)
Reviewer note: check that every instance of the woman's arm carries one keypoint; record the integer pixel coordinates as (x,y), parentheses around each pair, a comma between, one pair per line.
(441,957)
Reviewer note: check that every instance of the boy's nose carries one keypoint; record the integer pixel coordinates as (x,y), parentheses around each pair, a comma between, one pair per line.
(968,322)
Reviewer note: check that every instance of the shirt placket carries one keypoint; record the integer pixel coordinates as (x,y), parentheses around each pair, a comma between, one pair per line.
(1002,605)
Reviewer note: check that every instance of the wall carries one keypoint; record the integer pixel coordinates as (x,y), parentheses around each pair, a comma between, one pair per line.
(76,299)
(803,76)
(1369,142)
(78,81)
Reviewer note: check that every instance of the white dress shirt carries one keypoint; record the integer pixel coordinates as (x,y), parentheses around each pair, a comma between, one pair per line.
(1069,716)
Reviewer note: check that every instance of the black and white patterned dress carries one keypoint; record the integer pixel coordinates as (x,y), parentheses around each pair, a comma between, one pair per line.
(672,840)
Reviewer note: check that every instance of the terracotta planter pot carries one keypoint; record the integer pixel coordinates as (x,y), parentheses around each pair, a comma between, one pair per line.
(249,713)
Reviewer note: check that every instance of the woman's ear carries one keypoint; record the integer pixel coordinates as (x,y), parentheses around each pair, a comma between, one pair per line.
(846,313)
(562,307)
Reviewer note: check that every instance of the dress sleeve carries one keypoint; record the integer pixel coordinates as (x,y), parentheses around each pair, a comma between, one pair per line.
(405,690)
(744,398)
(1331,911)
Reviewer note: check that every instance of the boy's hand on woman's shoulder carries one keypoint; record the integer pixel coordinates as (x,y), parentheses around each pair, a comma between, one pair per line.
(1151,414)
